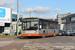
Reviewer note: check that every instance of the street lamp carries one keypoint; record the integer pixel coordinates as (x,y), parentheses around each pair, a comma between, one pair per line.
(30,13)
(17,17)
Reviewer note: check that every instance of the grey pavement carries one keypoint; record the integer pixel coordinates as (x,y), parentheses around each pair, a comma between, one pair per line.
(5,41)
(48,43)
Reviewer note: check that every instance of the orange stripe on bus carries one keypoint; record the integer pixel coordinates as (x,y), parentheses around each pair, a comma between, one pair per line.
(40,34)
(26,35)
(51,34)
(57,33)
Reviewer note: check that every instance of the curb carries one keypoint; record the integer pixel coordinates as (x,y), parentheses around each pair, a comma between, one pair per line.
(11,37)
(15,37)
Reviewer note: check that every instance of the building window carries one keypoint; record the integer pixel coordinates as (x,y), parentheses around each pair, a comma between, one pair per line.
(14,17)
(64,20)
(73,19)
(20,19)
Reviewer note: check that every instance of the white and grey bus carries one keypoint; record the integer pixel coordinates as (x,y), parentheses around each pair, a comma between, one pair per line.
(39,27)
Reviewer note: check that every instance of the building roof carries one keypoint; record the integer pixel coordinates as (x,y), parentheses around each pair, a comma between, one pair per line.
(72,15)
(68,19)
(65,14)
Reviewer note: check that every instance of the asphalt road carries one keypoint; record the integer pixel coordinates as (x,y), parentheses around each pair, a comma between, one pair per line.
(36,43)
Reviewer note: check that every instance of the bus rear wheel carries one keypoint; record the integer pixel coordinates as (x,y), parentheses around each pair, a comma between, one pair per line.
(54,35)
(44,35)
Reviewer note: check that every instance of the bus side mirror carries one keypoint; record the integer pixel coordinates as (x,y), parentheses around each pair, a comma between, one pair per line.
(40,26)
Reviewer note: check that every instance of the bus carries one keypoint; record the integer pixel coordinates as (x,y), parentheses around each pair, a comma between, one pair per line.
(38,27)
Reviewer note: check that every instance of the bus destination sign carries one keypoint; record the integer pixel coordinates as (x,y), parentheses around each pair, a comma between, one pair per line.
(30,19)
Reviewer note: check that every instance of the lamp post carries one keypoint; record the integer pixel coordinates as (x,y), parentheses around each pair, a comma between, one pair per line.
(17,17)
(30,13)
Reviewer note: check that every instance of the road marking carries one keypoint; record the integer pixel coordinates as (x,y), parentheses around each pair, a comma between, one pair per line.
(73,38)
(8,46)
(50,45)
(5,43)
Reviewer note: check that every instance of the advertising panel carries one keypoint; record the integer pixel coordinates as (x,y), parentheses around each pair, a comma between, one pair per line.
(5,15)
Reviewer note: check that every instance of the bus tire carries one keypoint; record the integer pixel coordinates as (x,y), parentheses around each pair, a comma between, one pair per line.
(54,33)
(44,35)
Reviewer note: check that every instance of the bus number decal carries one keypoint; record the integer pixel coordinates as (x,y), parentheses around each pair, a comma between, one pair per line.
(41,31)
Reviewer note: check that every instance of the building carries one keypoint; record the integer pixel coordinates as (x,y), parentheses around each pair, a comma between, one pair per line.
(69,22)
(14,22)
(11,27)
(59,17)
(56,20)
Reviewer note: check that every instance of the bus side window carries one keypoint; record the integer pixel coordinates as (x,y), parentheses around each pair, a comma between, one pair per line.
(40,25)
(49,27)
(44,25)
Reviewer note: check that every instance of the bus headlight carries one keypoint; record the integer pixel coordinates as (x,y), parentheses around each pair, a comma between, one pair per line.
(36,32)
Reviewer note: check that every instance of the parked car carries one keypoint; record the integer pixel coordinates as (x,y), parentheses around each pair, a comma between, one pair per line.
(63,32)
(67,33)
(60,32)
(70,32)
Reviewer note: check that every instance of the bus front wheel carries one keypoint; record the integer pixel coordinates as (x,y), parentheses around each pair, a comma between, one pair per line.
(44,35)
(54,33)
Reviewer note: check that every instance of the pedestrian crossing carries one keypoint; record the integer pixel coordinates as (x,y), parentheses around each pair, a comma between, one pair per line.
(48,46)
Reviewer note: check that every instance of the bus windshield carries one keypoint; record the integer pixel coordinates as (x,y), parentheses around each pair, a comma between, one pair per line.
(30,25)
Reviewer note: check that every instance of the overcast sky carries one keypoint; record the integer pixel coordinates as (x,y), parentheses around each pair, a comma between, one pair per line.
(43,8)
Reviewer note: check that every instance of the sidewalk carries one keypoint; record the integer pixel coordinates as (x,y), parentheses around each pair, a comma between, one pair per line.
(15,37)
(9,36)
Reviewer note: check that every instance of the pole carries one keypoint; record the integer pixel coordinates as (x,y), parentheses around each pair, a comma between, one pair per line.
(30,14)
(17,17)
